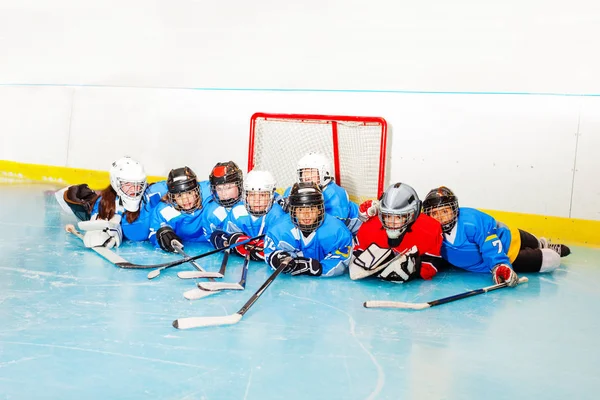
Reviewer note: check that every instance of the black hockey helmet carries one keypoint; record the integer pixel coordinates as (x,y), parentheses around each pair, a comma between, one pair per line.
(306,195)
(180,181)
(224,173)
(438,198)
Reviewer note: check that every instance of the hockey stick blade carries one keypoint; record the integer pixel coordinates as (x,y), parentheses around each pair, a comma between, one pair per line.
(433,303)
(198,322)
(196,294)
(216,286)
(107,254)
(198,275)
(193,322)
(395,304)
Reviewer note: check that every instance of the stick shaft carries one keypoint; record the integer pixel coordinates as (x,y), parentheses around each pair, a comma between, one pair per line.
(129,265)
(245,270)
(180,251)
(224,261)
(470,293)
(263,287)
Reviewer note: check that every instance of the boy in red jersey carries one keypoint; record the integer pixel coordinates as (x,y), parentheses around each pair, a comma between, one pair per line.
(402,244)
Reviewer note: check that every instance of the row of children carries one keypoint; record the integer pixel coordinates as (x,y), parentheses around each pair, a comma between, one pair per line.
(396,238)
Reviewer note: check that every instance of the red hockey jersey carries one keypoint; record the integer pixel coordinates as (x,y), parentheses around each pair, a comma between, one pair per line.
(425,233)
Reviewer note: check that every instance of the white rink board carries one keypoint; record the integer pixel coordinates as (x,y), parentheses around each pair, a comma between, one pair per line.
(505,152)
(34,124)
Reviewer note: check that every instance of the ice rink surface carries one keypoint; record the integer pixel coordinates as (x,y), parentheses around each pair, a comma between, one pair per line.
(73,326)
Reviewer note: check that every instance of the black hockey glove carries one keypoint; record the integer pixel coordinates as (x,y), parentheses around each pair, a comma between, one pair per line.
(80,199)
(165,237)
(220,239)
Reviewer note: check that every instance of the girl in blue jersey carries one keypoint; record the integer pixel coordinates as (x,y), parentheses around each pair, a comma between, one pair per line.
(475,241)
(122,209)
(180,214)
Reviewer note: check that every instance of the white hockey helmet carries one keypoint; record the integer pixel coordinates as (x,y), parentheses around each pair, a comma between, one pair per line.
(261,182)
(128,179)
(319,162)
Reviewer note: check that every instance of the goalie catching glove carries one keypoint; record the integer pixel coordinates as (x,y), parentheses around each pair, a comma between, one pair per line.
(390,265)
(297,265)
(167,239)
(504,273)
(100,232)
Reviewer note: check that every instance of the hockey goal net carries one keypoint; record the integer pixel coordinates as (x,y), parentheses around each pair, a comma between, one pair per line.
(356,147)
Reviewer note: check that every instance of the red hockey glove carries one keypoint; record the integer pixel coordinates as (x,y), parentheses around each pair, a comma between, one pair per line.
(368,209)
(504,273)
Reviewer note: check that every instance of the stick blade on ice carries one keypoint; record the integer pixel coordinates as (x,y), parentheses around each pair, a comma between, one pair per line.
(196,294)
(198,322)
(212,286)
(395,304)
(198,275)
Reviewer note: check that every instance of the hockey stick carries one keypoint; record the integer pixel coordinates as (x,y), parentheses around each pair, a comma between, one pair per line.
(433,303)
(204,288)
(171,264)
(217,286)
(201,273)
(198,274)
(196,322)
(102,251)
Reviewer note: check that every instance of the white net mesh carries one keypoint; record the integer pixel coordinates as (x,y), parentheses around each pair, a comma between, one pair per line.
(280,142)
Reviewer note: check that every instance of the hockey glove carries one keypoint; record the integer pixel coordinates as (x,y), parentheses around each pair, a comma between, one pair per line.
(80,199)
(368,209)
(304,266)
(284,202)
(403,267)
(504,273)
(278,257)
(220,239)
(100,232)
(254,247)
(165,237)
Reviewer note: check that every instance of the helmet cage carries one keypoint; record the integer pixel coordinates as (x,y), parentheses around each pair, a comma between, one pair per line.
(306,198)
(196,205)
(434,209)
(223,174)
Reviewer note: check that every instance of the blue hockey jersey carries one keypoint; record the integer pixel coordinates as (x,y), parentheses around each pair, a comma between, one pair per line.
(139,229)
(330,244)
(478,243)
(191,227)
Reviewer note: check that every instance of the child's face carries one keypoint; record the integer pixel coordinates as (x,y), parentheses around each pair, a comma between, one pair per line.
(187,200)
(309,175)
(393,221)
(307,215)
(258,201)
(443,214)
(132,189)
(227,191)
